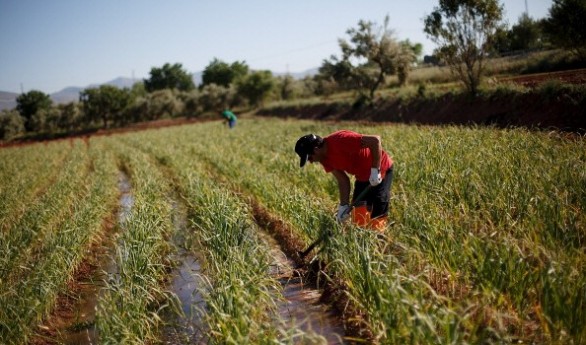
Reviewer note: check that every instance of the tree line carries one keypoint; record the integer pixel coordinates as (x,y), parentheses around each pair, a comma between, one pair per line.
(466,32)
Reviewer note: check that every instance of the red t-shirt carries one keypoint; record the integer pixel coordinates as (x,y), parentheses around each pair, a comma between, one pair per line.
(346,153)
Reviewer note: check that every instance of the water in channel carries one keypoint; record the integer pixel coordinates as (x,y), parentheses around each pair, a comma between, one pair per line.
(301,308)
(185,283)
(78,326)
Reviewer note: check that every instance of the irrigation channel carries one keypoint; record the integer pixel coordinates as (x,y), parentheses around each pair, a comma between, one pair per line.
(77,326)
(300,308)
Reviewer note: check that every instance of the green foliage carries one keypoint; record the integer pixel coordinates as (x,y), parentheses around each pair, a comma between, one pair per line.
(11,124)
(191,104)
(223,74)
(106,103)
(169,77)
(410,54)
(163,104)
(463,31)
(256,86)
(287,87)
(213,97)
(70,117)
(319,85)
(567,27)
(337,70)
(46,120)
(371,54)
(526,35)
(138,90)
(29,103)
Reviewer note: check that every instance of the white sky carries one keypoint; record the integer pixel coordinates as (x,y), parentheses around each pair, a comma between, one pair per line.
(52,44)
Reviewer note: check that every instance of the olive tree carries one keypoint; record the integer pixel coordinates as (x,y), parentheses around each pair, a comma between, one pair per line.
(526,34)
(287,88)
(256,86)
(214,97)
(11,124)
(463,31)
(163,104)
(410,53)
(28,104)
(370,55)
(220,73)
(70,116)
(566,25)
(169,77)
(106,103)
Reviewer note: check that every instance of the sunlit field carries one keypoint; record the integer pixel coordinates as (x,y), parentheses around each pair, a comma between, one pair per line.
(487,241)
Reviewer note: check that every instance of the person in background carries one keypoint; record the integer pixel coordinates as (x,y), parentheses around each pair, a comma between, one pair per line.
(346,153)
(230,118)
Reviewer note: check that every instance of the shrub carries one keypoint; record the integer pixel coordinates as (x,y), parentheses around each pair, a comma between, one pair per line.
(11,124)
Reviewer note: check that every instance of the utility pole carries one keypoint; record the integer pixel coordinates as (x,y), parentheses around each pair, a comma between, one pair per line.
(526,9)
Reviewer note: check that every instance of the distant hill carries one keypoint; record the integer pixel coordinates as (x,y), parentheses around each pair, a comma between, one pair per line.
(7,100)
(68,94)
(71,94)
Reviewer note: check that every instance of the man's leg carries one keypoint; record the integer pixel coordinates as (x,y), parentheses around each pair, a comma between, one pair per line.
(380,205)
(381,195)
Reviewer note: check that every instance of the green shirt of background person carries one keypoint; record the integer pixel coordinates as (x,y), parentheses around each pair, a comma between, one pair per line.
(230,118)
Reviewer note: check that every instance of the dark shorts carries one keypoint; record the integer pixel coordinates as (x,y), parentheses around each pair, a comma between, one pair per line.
(378,197)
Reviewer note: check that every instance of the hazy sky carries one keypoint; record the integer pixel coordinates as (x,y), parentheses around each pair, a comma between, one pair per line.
(48,45)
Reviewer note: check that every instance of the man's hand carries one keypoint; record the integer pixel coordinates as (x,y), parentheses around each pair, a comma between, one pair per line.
(343,213)
(375,177)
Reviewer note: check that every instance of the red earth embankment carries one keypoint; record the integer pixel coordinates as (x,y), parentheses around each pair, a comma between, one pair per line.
(563,109)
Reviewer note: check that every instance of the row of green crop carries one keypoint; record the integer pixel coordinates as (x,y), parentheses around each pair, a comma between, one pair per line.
(498,214)
(297,204)
(30,290)
(291,202)
(505,210)
(43,217)
(133,297)
(68,215)
(24,173)
(240,295)
(487,241)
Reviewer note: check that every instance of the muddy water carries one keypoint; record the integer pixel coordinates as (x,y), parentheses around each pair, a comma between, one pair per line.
(185,283)
(78,327)
(301,308)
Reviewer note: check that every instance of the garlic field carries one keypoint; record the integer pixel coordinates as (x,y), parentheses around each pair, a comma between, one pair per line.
(486,242)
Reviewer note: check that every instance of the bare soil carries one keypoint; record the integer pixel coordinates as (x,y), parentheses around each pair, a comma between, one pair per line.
(577,76)
(561,109)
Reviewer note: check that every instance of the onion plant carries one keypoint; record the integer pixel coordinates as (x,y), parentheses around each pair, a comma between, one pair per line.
(486,243)
(31,297)
(128,311)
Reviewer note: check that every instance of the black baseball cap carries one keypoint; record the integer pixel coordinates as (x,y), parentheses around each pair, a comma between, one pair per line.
(305,146)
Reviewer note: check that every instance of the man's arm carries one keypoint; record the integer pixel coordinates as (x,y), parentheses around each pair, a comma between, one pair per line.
(343,186)
(373,143)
